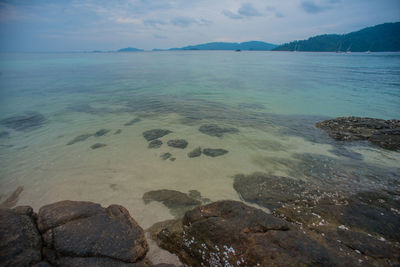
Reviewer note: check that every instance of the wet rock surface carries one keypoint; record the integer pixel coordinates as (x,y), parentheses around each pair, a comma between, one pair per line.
(20,241)
(383,133)
(97,145)
(155,134)
(214,152)
(155,144)
(132,122)
(26,122)
(195,153)
(178,143)
(230,233)
(76,229)
(176,201)
(215,130)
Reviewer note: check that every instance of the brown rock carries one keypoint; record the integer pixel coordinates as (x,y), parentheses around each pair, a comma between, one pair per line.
(20,241)
(76,229)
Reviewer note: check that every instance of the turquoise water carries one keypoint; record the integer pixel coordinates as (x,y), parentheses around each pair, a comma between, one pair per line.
(272,98)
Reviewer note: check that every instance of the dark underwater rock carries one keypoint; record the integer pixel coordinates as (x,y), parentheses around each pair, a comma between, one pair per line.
(230,233)
(101,132)
(132,122)
(4,134)
(214,152)
(79,138)
(12,199)
(118,131)
(383,133)
(166,156)
(172,159)
(75,229)
(20,241)
(155,134)
(195,153)
(176,201)
(215,130)
(268,190)
(97,145)
(29,121)
(178,143)
(155,144)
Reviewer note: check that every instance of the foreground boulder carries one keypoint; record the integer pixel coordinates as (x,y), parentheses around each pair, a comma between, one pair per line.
(229,233)
(383,133)
(20,241)
(84,232)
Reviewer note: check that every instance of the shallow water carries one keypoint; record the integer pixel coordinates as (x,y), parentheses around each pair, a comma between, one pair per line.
(272,98)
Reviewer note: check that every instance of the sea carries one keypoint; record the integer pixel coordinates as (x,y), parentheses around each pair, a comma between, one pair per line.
(272,99)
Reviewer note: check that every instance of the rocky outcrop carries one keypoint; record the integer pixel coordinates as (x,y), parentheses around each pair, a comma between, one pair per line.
(215,130)
(383,133)
(84,229)
(155,134)
(230,233)
(20,240)
(72,233)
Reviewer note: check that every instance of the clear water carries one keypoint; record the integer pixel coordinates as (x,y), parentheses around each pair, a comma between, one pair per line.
(273,98)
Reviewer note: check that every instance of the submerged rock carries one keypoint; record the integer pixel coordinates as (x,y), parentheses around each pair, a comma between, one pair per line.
(12,200)
(79,138)
(268,190)
(172,159)
(155,144)
(132,122)
(20,241)
(195,153)
(214,152)
(229,233)
(178,143)
(101,132)
(118,131)
(97,145)
(155,134)
(166,156)
(176,201)
(383,133)
(73,230)
(27,122)
(215,130)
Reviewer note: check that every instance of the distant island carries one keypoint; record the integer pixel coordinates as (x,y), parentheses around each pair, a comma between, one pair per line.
(250,46)
(130,49)
(380,38)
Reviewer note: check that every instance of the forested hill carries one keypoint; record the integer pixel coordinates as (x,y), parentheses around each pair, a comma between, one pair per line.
(379,38)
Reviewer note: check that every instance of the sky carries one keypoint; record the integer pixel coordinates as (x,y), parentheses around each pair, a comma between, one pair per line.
(85,25)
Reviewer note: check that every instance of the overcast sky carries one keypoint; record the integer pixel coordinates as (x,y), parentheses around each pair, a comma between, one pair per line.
(76,25)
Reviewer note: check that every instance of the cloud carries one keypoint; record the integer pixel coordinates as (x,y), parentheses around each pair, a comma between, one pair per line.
(183,21)
(245,10)
(248,10)
(154,22)
(231,15)
(312,7)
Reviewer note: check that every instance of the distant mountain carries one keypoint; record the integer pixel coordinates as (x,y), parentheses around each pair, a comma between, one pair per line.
(380,38)
(252,45)
(130,49)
